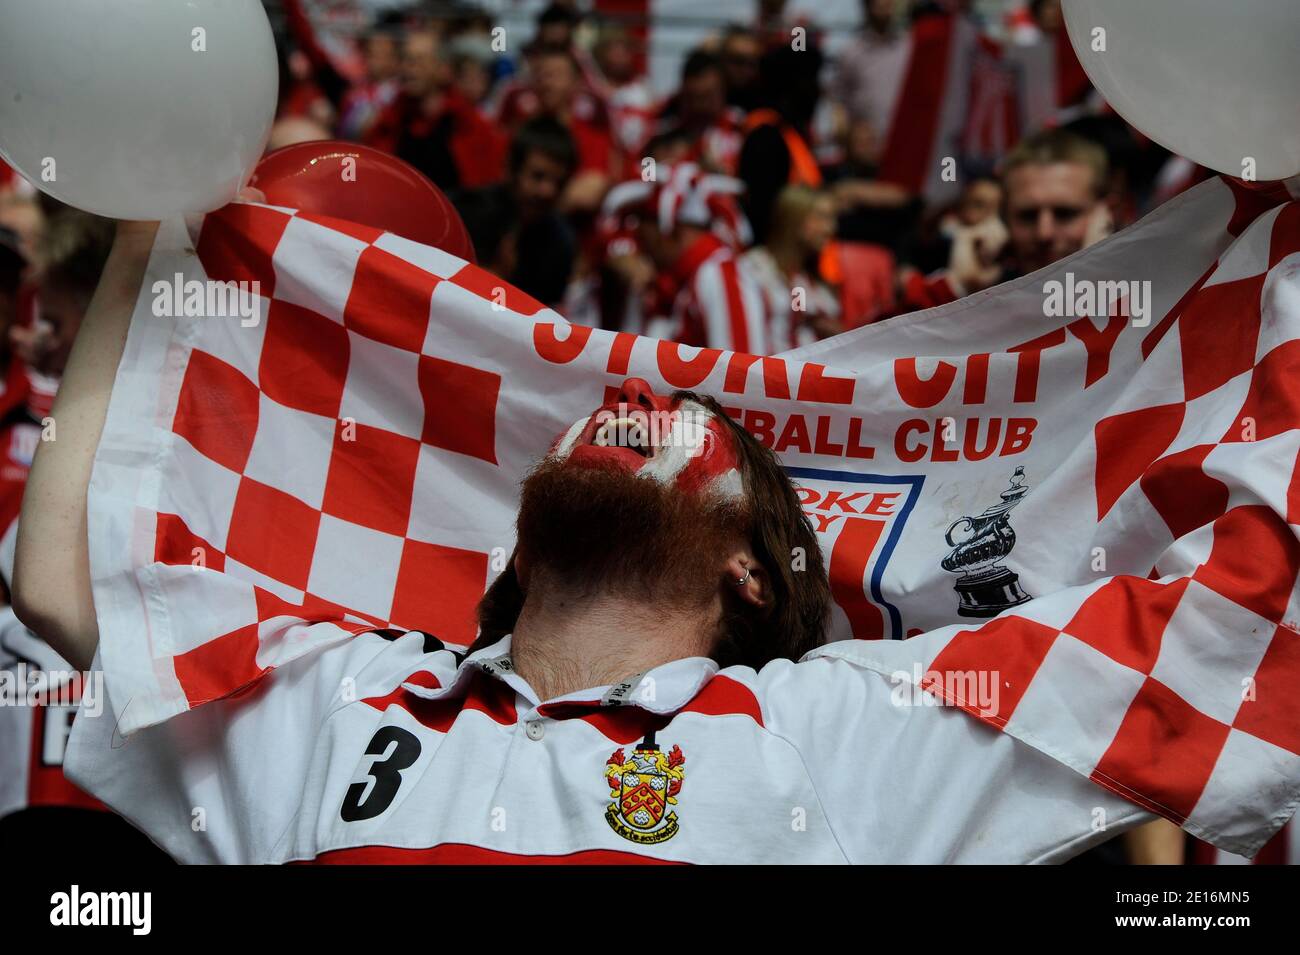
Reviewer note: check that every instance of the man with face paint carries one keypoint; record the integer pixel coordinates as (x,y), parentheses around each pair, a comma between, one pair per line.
(646,685)
(650,502)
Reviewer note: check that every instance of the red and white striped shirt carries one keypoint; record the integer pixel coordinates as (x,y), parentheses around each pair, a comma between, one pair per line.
(791,303)
(717,305)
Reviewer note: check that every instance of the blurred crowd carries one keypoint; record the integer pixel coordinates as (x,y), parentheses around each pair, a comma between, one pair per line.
(778,194)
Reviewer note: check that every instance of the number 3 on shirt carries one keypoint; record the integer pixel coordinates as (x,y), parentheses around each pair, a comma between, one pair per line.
(387,774)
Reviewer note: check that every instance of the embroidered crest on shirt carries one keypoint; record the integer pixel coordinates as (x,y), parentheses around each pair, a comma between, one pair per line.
(644,789)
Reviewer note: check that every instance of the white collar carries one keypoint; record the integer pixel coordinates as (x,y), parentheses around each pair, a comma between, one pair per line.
(662,689)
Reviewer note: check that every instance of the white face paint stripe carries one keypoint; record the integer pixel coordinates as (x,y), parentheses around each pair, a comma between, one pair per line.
(684,441)
(729,485)
(570,439)
(671,456)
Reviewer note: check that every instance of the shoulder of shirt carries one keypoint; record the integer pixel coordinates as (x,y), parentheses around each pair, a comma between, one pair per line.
(782,682)
(880,656)
(388,657)
(758,258)
(713,264)
(427,641)
(872,664)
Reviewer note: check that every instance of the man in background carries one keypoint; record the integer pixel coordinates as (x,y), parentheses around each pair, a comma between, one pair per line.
(516,229)
(700,112)
(871,67)
(1054,186)
(433,127)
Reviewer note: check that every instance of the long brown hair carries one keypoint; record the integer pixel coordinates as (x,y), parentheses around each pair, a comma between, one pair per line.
(793,619)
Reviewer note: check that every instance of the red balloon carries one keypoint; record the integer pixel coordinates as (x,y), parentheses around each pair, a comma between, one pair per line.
(382,192)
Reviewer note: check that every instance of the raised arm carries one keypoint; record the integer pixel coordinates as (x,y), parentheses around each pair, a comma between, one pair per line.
(51,585)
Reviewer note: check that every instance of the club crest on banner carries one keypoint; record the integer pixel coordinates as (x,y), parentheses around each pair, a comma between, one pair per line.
(859,519)
(644,789)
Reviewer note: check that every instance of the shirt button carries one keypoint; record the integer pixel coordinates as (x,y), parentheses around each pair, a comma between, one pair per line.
(534,729)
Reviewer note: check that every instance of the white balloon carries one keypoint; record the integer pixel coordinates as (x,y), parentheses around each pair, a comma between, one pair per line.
(1212,80)
(136,109)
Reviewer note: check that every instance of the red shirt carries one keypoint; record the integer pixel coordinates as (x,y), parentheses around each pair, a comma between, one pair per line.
(477,148)
(595,146)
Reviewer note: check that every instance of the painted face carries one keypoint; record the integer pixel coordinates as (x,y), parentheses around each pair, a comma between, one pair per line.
(677,442)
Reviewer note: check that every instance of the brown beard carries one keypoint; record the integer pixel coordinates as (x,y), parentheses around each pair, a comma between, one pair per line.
(606,531)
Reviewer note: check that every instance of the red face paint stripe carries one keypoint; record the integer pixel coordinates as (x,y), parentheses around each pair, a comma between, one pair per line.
(714,460)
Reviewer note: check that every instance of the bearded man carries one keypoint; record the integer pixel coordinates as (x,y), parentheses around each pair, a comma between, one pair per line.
(648,683)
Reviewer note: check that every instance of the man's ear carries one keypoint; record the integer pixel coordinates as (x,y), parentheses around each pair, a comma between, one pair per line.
(744,576)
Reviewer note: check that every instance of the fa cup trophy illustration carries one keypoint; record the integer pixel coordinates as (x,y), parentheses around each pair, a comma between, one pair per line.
(984,587)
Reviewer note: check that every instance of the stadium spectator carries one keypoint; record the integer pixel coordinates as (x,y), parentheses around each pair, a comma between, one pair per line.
(1054,186)
(629,97)
(558,81)
(472,67)
(556,26)
(44,814)
(704,297)
(74,249)
(700,112)
(870,67)
(739,54)
(870,210)
(1053,206)
(801,306)
(931,247)
(621,285)
(590,188)
(1046,15)
(433,127)
(515,227)
(776,150)
(365,101)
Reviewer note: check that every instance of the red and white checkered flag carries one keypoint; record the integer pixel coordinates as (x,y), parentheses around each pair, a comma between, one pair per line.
(1124,455)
